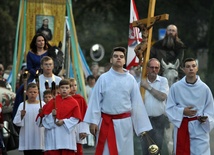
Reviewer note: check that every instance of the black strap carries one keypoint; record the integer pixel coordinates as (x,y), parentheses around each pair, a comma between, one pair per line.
(10,132)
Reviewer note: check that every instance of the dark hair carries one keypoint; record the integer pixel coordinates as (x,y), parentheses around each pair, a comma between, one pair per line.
(32,85)
(33,43)
(90,77)
(121,49)
(64,82)
(46,92)
(187,60)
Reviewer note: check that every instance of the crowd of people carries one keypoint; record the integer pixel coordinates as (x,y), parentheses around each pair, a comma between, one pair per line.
(54,120)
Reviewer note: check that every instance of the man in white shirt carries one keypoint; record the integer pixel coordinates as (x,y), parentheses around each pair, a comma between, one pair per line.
(155,98)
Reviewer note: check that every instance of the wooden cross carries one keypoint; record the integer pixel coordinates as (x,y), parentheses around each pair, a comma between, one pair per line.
(148,21)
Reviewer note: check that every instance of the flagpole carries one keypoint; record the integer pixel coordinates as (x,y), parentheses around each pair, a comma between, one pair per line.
(13,84)
(22,40)
(75,52)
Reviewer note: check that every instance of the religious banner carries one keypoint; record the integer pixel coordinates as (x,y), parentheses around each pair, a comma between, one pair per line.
(134,37)
(47,17)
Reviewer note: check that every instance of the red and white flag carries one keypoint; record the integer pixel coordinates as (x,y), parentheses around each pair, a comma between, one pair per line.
(134,37)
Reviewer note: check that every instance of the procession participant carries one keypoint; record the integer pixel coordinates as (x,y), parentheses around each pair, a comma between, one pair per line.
(190,108)
(116,106)
(157,89)
(170,48)
(39,46)
(47,95)
(47,65)
(31,137)
(60,117)
(82,127)
(91,80)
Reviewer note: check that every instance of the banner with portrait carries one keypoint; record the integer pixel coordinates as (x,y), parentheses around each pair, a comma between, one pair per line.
(47,17)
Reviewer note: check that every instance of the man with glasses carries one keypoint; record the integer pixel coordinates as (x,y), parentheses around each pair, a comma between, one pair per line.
(157,89)
(116,108)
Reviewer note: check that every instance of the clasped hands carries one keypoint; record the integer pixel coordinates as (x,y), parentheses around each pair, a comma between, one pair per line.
(58,122)
(189,111)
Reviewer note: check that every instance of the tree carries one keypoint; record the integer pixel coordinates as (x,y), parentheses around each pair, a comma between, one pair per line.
(106,22)
(210,71)
(8,13)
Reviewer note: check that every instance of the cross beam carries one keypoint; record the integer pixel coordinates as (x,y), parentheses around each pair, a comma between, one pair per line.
(162,17)
(148,21)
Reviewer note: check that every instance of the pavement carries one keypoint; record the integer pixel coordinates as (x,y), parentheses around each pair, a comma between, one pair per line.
(86,151)
(91,150)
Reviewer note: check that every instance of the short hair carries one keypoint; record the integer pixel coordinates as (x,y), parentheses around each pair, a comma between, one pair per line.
(121,49)
(64,82)
(90,77)
(46,92)
(187,60)
(32,85)
(148,63)
(45,58)
(72,79)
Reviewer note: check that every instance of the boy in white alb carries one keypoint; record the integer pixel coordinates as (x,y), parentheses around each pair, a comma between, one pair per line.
(190,108)
(31,137)
(82,127)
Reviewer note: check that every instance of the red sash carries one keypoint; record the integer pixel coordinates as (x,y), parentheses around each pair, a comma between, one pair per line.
(107,133)
(183,139)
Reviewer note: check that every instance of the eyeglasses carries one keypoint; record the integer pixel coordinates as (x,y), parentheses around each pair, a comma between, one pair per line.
(46,64)
(117,56)
(152,67)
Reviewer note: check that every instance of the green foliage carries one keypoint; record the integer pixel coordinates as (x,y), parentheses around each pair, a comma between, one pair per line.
(106,22)
(210,71)
(8,22)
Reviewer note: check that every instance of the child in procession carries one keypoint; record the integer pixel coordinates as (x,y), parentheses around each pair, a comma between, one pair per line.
(60,117)
(82,127)
(47,95)
(31,137)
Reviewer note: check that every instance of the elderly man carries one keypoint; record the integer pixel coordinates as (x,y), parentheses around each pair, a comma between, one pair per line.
(157,89)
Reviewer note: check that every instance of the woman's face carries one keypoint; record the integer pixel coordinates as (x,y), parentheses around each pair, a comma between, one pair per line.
(40,42)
